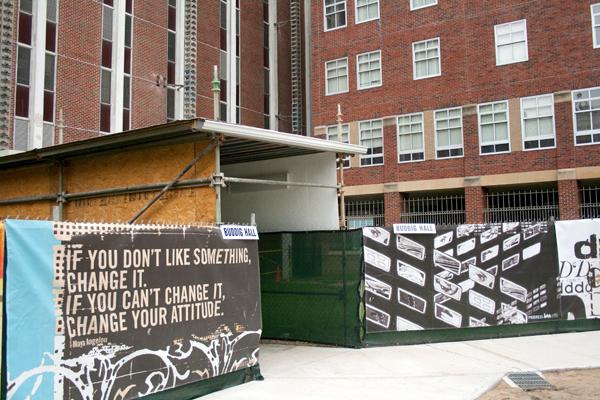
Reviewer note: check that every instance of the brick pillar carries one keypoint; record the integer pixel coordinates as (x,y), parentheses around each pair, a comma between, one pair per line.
(568,199)
(393,204)
(474,204)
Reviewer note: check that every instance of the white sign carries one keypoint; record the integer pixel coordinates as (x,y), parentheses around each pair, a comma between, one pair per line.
(414,229)
(579,264)
(239,232)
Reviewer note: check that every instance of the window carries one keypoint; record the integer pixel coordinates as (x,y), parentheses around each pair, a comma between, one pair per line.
(416,4)
(171,58)
(586,115)
(23,60)
(266,67)
(596,24)
(335,14)
(511,42)
(336,73)
(493,127)
(371,136)
(332,134)
(106,69)
(410,137)
(426,59)
(366,10)
(537,122)
(368,70)
(127,65)
(448,133)
(223,64)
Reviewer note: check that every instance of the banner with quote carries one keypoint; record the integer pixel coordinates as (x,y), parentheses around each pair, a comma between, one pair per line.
(107,311)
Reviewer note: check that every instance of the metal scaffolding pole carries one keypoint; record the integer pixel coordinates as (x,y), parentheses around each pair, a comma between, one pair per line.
(278,183)
(189,166)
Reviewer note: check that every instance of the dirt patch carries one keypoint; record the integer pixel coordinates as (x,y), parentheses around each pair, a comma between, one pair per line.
(580,384)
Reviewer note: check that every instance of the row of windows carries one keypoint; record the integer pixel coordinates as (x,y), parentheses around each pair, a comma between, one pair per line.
(510,44)
(511,38)
(364,11)
(537,129)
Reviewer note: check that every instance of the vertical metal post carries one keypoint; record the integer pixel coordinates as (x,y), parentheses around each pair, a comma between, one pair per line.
(344,287)
(216,83)
(219,183)
(216,113)
(341,168)
(60,199)
(61,127)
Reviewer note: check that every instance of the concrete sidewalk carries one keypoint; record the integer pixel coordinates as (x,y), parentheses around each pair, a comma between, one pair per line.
(457,370)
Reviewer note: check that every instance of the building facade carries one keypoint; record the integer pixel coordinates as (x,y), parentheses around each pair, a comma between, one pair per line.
(73,70)
(473,111)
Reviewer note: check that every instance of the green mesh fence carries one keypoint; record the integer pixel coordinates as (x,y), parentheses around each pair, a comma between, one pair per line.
(310,286)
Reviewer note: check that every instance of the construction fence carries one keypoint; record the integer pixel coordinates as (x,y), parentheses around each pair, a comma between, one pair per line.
(377,286)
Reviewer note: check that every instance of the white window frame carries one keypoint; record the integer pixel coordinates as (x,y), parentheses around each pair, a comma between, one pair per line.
(358,87)
(325,16)
(507,128)
(595,38)
(539,138)
(360,139)
(327,93)
(439,57)
(413,8)
(333,138)
(356,21)
(591,132)
(496,27)
(398,152)
(450,147)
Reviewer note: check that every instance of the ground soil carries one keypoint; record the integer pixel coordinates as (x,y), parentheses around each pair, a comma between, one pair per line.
(580,384)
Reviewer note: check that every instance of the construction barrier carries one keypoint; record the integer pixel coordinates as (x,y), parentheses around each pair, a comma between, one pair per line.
(107,311)
(422,283)
(310,286)
(497,279)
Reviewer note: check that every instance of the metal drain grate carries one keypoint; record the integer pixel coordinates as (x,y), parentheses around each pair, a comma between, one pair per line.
(528,381)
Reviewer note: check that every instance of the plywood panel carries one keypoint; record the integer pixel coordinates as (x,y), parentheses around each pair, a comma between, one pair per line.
(181,206)
(152,165)
(126,168)
(30,181)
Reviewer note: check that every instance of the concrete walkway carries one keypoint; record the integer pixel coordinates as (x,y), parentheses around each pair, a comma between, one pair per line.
(448,371)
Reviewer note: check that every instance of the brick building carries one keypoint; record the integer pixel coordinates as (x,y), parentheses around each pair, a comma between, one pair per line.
(473,111)
(95,67)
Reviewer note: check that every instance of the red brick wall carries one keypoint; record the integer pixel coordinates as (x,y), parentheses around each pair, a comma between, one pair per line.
(78,68)
(393,204)
(252,79)
(149,101)
(79,56)
(557,62)
(568,191)
(474,205)
(208,55)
